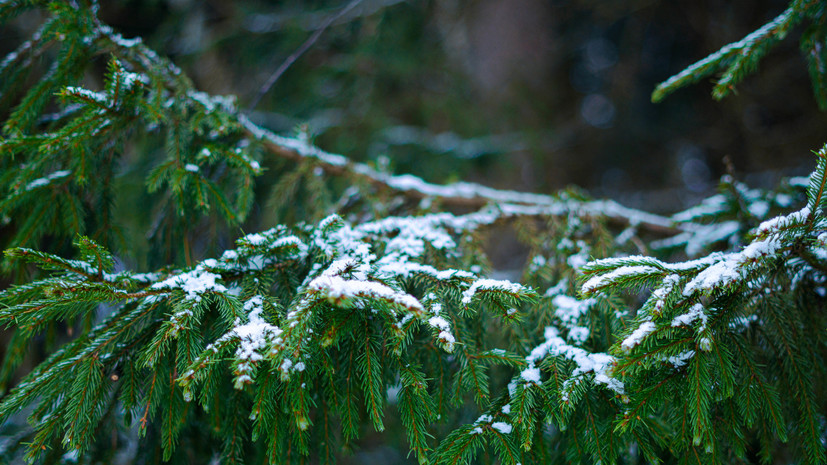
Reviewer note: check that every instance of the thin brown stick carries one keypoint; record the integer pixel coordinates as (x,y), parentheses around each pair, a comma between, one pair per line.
(299,52)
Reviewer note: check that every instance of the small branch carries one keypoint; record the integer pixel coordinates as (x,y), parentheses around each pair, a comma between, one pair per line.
(461,194)
(311,21)
(299,52)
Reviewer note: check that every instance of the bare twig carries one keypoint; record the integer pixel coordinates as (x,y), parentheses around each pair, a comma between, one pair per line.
(311,21)
(299,52)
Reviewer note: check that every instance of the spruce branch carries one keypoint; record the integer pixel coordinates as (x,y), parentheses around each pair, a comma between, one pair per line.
(738,58)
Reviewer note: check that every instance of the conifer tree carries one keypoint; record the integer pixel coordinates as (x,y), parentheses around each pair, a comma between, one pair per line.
(630,338)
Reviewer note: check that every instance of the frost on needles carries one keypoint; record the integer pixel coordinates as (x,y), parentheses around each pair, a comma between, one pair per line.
(630,337)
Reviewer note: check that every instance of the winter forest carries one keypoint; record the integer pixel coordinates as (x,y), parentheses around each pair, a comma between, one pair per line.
(413,231)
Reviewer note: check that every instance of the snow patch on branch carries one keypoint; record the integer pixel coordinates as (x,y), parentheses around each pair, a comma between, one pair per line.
(637,336)
(257,333)
(226,103)
(731,268)
(600,281)
(98,97)
(463,192)
(680,360)
(695,313)
(491,285)
(660,294)
(194,283)
(488,420)
(337,288)
(441,324)
(255,336)
(597,363)
(778,223)
(696,238)
(502,427)
(44,181)
(569,309)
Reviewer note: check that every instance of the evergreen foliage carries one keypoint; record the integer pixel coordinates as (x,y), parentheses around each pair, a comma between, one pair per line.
(735,61)
(633,338)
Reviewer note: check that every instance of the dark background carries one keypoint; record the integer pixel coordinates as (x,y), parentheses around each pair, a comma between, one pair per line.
(550,93)
(522,94)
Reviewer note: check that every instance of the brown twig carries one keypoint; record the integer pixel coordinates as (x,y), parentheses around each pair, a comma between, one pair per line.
(299,52)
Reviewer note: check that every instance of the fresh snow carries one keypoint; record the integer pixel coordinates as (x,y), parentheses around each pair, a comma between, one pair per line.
(255,239)
(694,313)
(439,323)
(448,339)
(660,294)
(554,345)
(602,280)
(681,359)
(502,427)
(336,287)
(129,79)
(578,334)
(40,182)
(257,333)
(730,268)
(531,374)
(98,97)
(773,225)
(637,335)
(194,283)
(697,237)
(483,285)
(569,309)
(508,203)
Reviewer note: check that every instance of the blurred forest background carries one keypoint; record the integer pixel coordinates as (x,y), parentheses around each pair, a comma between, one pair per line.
(529,95)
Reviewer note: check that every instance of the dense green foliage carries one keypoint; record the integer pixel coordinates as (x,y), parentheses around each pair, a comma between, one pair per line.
(373,311)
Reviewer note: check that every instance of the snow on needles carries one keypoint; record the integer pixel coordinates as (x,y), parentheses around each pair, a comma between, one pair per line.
(487,420)
(444,328)
(569,309)
(637,335)
(484,285)
(502,427)
(256,333)
(44,181)
(730,268)
(337,288)
(597,363)
(694,313)
(346,273)
(600,281)
(254,337)
(194,283)
(714,271)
